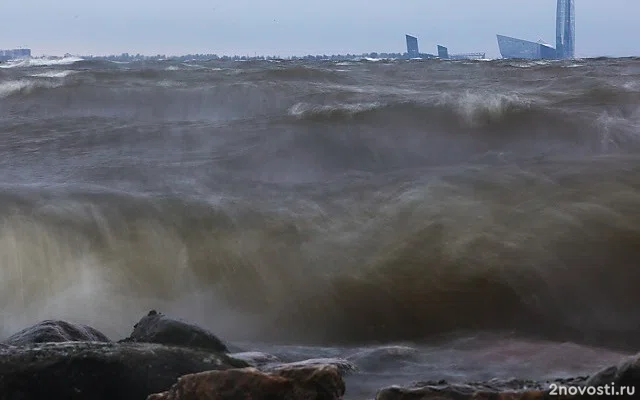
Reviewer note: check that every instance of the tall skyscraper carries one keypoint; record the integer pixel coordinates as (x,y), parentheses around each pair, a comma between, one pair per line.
(566,29)
(412,46)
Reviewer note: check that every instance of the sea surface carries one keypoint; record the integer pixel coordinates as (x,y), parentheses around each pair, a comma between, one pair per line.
(426,220)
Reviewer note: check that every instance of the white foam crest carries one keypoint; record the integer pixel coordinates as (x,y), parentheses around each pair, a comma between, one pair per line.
(632,85)
(530,63)
(9,88)
(618,132)
(371,89)
(54,74)
(303,109)
(477,107)
(169,84)
(196,66)
(41,62)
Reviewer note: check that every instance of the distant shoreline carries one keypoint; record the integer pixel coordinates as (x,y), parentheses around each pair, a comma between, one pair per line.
(216,57)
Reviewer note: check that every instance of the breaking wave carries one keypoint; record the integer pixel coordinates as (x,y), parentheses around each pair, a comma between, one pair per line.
(40,62)
(548,250)
(24,87)
(393,201)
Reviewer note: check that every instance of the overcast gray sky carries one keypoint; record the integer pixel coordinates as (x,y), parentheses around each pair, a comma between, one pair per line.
(298,27)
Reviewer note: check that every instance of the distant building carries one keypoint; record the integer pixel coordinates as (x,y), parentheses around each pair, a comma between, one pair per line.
(15,53)
(412,46)
(565,38)
(443,53)
(518,48)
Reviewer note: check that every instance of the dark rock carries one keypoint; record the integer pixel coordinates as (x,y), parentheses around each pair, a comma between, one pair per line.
(99,371)
(626,374)
(56,331)
(344,367)
(295,383)
(155,327)
(455,393)
(236,349)
(255,358)
(492,390)
(269,363)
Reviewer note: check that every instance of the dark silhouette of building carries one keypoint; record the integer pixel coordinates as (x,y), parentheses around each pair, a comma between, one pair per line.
(443,52)
(412,46)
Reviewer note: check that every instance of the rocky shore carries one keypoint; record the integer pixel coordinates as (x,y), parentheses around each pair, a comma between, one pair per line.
(168,359)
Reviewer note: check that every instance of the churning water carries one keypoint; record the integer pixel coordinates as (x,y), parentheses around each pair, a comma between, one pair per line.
(482,214)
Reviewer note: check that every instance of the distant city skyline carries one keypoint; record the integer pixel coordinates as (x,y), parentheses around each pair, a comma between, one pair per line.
(288,28)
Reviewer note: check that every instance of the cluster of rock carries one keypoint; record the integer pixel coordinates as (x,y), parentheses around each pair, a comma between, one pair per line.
(163,358)
(167,359)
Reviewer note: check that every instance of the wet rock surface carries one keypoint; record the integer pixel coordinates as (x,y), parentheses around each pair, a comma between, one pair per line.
(287,383)
(90,370)
(626,373)
(491,390)
(375,359)
(156,327)
(167,359)
(56,331)
(343,366)
(256,358)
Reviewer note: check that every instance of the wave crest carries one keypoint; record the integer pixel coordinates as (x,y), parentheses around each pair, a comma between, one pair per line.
(25,86)
(41,62)
(545,250)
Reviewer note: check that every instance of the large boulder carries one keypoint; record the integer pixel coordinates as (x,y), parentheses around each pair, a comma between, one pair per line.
(100,371)
(295,383)
(56,331)
(155,327)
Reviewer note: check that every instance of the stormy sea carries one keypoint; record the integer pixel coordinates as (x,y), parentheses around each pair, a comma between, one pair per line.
(426,220)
